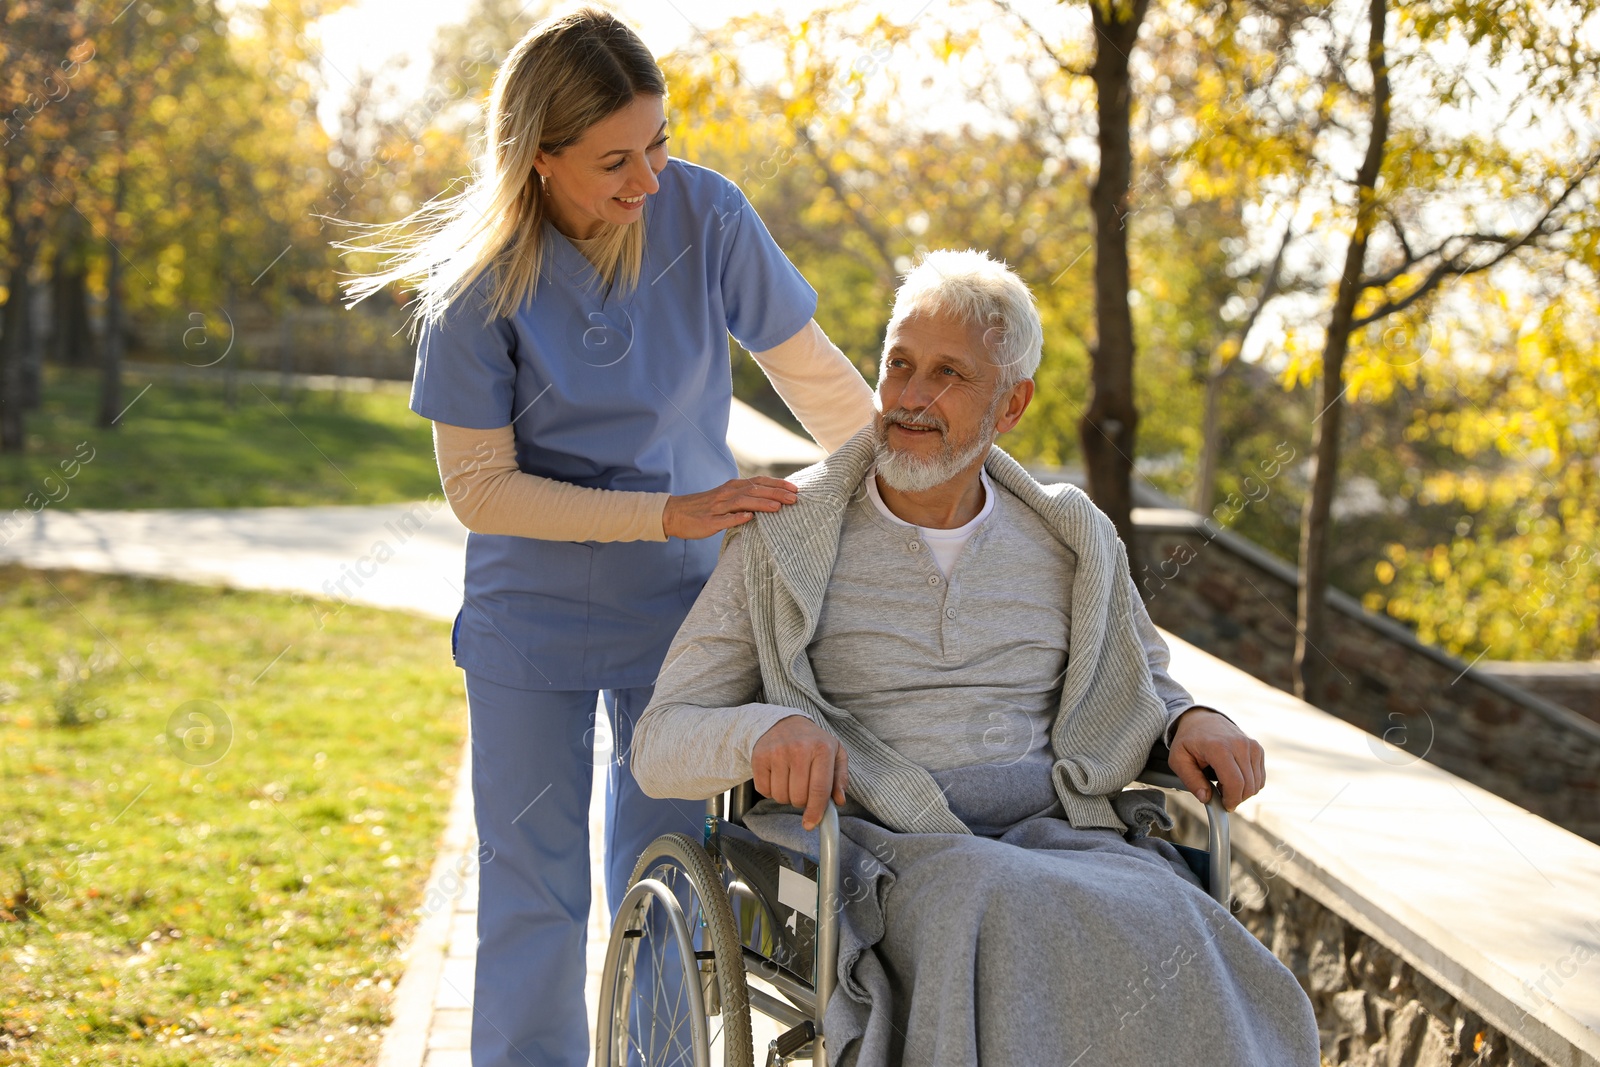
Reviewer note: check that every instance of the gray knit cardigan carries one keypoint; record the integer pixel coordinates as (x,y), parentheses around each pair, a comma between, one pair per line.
(1109,716)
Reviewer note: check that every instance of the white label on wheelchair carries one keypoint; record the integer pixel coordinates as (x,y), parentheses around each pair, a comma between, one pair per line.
(797,891)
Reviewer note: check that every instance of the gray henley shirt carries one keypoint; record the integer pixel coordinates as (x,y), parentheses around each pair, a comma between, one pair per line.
(949,671)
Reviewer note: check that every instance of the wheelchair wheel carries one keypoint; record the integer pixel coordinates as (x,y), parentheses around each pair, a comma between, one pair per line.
(673,991)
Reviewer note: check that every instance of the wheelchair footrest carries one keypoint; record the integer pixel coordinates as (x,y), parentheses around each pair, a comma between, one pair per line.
(791,1041)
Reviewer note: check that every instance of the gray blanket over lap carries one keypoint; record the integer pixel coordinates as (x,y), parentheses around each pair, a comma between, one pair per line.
(1034,943)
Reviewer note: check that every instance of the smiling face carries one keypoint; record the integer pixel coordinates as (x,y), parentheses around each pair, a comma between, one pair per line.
(605,175)
(940,402)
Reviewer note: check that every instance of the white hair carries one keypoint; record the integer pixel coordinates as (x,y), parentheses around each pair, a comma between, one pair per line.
(973,288)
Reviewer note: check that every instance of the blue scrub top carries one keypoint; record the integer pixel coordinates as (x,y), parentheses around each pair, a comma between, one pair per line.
(622,391)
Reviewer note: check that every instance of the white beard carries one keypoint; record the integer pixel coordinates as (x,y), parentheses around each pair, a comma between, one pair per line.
(910,473)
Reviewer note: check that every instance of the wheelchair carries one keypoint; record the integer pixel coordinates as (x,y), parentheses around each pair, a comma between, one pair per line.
(714,932)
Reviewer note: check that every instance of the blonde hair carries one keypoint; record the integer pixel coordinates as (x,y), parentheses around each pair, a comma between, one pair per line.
(566,74)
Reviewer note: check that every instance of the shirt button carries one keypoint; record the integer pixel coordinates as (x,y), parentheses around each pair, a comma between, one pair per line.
(915,546)
(933,579)
(949,613)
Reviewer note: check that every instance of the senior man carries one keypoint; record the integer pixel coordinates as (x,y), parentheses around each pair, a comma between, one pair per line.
(958,655)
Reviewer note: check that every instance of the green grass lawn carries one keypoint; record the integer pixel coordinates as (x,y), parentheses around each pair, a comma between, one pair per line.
(181,446)
(170,894)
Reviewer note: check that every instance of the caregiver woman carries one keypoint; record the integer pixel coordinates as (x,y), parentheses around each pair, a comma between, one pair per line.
(575,305)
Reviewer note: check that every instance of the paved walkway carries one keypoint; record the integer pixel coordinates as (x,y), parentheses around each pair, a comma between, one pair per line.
(329,551)
(310,550)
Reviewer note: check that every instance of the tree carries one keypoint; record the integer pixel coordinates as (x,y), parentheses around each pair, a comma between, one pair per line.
(1412,270)
(1267,282)
(45,55)
(820,137)
(1108,428)
(1520,577)
(815,134)
(225,161)
(1313,578)
(1438,193)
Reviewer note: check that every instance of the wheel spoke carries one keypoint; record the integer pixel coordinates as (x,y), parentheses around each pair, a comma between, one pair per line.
(666,1039)
(651,1000)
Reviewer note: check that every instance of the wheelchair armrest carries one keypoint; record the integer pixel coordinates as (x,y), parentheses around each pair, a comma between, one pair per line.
(741,798)
(1158,772)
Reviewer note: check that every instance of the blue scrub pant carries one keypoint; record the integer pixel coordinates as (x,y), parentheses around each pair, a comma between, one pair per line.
(532,767)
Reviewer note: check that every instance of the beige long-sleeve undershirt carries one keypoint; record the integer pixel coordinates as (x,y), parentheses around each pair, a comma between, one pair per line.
(490,494)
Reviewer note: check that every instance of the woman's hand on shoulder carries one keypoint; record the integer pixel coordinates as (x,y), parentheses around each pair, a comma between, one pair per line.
(696,515)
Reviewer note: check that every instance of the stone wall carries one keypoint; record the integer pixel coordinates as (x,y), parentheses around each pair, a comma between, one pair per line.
(1227,596)
(1572,685)
(1374,1009)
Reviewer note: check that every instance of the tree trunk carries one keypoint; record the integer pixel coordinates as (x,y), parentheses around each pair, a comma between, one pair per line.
(1107,429)
(1309,669)
(111,352)
(230,368)
(12,427)
(285,341)
(69,310)
(1205,489)
(25,347)
(29,353)
(12,380)
(1205,486)
(341,346)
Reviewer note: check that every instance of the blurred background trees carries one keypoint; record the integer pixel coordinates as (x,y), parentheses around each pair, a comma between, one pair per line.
(1457,177)
(172,172)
